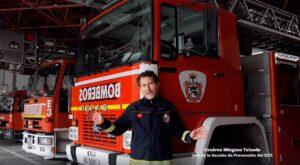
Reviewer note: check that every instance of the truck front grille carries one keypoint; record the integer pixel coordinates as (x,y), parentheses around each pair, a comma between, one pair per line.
(95,139)
(32,123)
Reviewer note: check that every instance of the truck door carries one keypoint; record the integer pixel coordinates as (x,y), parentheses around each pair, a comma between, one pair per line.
(189,77)
(65,89)
(288,109)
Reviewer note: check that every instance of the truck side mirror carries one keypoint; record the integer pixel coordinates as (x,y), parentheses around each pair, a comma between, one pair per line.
(211,30)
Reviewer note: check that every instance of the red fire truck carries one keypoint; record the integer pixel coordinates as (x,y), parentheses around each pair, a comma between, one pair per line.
(45,116)
(194,50)
(11,125)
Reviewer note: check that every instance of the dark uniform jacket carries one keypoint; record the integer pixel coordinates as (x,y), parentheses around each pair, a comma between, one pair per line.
(153,122)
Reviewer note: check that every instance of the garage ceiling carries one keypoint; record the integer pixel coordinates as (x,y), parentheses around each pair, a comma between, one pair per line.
(58,19)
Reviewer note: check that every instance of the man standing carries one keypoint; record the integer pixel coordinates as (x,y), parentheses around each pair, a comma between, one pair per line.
(153,121)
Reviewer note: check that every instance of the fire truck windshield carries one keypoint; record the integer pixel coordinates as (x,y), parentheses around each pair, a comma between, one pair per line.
(45,80)
(121,37)
(6,103)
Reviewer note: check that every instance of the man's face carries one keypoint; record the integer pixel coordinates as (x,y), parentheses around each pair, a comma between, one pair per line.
(148,87)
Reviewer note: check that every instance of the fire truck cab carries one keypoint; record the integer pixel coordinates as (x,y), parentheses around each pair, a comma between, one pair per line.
(45,116)
(11,108)
(194,49)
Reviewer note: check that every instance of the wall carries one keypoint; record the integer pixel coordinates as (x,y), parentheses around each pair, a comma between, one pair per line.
(21,80)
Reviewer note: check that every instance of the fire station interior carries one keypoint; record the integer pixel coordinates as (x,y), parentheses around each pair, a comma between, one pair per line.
(52,50)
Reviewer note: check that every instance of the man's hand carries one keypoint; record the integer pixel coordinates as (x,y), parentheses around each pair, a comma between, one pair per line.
(98,118)
(198,133)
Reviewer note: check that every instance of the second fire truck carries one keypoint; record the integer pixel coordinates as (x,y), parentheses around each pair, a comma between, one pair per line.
(11,104)
(45,116)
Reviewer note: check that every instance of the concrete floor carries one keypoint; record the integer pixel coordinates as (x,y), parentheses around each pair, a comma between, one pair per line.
(11,153)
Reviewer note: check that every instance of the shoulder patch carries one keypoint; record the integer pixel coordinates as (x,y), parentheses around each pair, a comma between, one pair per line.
(166,117)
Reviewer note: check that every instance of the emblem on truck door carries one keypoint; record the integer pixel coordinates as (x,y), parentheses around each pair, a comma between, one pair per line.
(193,84)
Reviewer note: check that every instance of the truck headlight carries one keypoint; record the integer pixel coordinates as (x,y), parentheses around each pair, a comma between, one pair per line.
(73,133)
(47,141)
(127,139)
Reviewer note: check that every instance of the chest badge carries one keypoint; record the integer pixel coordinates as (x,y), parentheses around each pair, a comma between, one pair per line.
(139,115)
(166,118)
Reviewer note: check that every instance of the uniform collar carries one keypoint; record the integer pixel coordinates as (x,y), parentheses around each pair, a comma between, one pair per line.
(151,102)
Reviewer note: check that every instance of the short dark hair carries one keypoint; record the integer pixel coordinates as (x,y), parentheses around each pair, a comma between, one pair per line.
(147,73)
